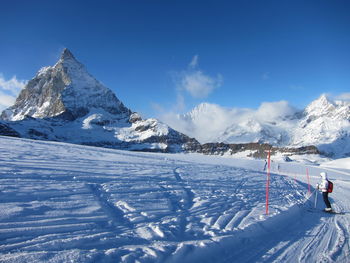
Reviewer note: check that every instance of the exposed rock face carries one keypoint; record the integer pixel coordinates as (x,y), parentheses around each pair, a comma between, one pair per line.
(255,150)
(7,131)
(65,90)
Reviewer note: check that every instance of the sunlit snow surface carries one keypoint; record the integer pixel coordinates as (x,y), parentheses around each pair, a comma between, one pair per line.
(69,203)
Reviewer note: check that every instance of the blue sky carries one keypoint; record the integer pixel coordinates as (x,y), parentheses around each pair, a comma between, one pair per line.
(172,55)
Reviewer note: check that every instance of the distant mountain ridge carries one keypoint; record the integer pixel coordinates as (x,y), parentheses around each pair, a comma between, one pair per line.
(323,123)
(326,124)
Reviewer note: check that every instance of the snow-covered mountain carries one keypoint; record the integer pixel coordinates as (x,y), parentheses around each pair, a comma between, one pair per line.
(65,89)
(324,123)
(213,123)
(65,103)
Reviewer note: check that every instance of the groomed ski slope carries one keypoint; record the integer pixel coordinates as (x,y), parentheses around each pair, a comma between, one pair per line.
(70,203)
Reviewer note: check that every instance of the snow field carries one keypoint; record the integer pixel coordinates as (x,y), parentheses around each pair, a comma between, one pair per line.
(70,203)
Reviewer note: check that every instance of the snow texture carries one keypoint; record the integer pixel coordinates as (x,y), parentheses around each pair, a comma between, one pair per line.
(338,163)
(69,203)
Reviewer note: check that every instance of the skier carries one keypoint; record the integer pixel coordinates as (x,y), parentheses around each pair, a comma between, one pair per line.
(323,187)
(265,165)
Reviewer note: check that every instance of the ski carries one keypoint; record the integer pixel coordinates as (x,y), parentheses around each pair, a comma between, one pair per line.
(323,211)
(334,212)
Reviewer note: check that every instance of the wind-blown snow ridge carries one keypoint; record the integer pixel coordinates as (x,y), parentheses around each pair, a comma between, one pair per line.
(62,202)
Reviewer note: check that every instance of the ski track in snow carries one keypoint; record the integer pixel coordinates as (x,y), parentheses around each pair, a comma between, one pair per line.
(70,203)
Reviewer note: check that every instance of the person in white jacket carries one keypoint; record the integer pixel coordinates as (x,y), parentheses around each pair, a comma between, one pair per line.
(323,187)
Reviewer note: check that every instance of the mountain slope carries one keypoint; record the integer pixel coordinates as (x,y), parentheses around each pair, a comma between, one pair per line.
(326,124)
(66,103)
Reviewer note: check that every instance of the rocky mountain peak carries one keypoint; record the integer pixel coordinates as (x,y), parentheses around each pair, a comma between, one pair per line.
(65,89)
(66,55)
(320,106)
(70,63)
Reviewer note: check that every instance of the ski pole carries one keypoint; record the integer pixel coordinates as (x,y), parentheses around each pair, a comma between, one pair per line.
(316,199)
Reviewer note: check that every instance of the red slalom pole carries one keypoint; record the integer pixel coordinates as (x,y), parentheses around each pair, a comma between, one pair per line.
(268,181)
(308,179)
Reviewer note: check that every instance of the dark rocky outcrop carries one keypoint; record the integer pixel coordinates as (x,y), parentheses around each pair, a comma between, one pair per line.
(256,150)
(5,130)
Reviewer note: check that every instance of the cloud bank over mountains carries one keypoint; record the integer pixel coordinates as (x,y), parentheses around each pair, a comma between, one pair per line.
(207,121)
(343,97)
(324,123)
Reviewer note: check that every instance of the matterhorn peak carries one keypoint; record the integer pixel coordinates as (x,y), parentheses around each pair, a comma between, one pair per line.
(66,54)
(66,89)
(68,61)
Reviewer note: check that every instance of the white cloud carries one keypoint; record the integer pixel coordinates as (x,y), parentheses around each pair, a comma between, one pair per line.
(198,84)
(194,62)
(207,122)
(12,86)
(6,101)
(343,97)
(270,111)
(9,90)
(180,105)
(195,82)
